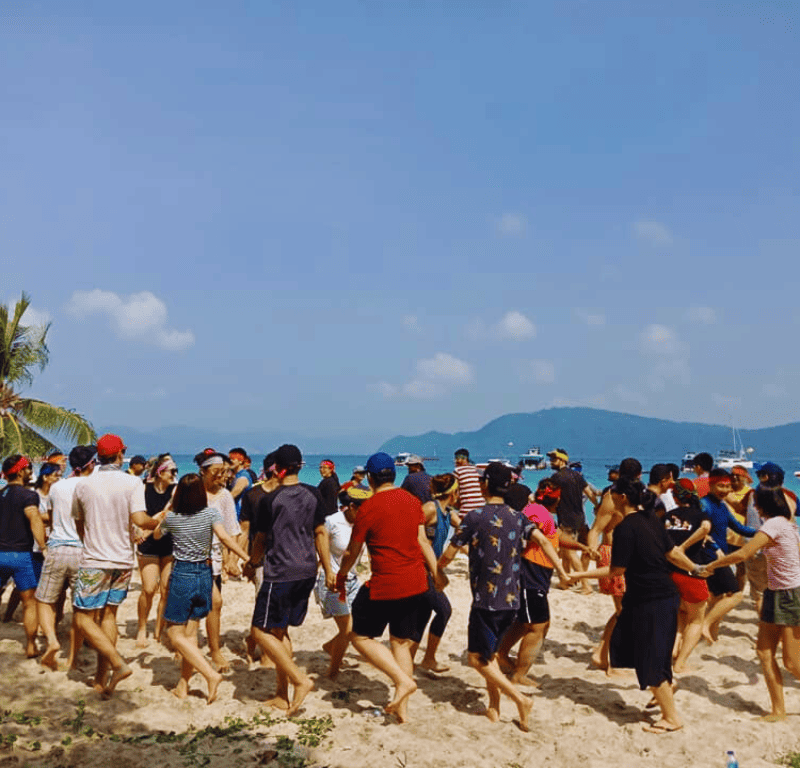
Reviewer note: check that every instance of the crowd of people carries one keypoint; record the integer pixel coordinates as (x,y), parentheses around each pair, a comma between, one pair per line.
(674,553)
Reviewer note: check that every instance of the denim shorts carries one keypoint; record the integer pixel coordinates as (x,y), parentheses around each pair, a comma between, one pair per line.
(189,596)
(19,566)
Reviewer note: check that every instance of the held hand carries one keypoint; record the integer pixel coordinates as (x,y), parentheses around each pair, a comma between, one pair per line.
(594,554)
(442,581)
(249,571)
(330,581)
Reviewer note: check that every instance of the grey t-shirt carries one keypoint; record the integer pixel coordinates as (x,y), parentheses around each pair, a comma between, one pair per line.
(289,516)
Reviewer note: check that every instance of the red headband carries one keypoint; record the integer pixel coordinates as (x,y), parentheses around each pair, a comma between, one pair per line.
(238,454)
(327,464)
(548,494)
(22,462)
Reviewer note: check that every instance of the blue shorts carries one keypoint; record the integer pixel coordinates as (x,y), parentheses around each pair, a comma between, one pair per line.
(485,630)
(189,592)
(281,604)
(329,602)
(18,566)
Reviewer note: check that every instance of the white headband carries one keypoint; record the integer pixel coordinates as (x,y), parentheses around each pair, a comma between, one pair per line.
(168,464)
(211,461)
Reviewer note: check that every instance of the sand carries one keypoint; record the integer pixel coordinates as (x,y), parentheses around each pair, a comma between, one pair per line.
(581,717)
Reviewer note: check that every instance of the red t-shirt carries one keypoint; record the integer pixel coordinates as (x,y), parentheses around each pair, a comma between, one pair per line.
(388,523)
(701,486)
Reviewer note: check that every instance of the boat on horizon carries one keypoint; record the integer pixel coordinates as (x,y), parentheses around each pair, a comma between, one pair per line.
(533,459)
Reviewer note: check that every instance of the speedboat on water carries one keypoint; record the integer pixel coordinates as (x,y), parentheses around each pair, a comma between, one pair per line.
(401,459)
(687,462)
(533,459)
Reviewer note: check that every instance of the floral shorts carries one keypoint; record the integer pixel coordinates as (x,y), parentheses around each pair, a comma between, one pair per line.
(98,587)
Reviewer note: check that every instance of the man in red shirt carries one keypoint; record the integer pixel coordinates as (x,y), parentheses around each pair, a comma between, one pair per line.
(392,525)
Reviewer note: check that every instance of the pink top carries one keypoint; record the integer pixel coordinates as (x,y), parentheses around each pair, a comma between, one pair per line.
(783,556)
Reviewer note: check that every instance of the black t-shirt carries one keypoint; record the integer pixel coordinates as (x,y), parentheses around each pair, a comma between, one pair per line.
(250,502)
(518,496)
(329,490)
(570,508)
(680,524)
(15,528)
(290,516)
(154,503)
(640,546)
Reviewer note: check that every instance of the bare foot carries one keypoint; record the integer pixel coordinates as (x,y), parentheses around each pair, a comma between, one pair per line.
(213,685)
(524,681)
(119,674)
(597,661)
(181,690)
(706,635)
(773,717)
(220,662)
(492,714)
(525,707)
(49,658)
(585,590)
(613,672)
(399,705)
(300,693)
(662,726)
(433,666)
(683,670)
(327,646)
(277,702)
(31,652)
(141,640)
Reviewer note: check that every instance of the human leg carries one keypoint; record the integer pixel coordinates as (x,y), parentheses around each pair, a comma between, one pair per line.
(719,606)
(528,650)
(275,643)
(769,635)
(338,644)
(498,683)
(30,621)
(377,654)
(670,720)
(693,618)
(165,567)
(184,640)
(442,611)
(149,574)
(213,629)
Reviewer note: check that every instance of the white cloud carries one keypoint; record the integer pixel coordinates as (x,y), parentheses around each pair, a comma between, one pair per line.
(652,233)
(590,318)
(512,224)
(541,371)
(411,322)
(667,355)
(705,315)
(516,326)
(31,316)
(142,315)
(435,377)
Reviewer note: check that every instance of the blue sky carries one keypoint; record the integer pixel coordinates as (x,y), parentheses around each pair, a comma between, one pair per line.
(369,217)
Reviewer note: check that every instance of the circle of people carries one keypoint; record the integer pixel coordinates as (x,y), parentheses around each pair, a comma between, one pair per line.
(674,555)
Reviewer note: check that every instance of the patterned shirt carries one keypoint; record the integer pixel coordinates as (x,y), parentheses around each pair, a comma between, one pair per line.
(496,535)
(191,534)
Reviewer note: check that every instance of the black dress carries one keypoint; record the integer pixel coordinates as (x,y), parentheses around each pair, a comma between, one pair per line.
(154,503)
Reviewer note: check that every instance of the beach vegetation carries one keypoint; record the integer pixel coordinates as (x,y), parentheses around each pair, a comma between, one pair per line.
(27,424)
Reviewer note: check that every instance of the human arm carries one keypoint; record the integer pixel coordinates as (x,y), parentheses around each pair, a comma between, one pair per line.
(445,560)
(349,559)
(602,519)
(228,540)
(552,555)
(322,541)
(590,492)
(744,553)
(737,527)
(678,558)
(239,487)
(698,535)
(256,554)
(429,511)
(78,516)
(37,526)
(567,542)
(427,551)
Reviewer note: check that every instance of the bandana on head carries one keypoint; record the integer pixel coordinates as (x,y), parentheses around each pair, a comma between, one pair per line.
(168,464)
(327,463)
(237,455)
(684,491)
(22,462)
(211,461)
(452,489)
(548,494)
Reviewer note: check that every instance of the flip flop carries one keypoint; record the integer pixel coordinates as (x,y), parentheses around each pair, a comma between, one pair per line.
(660,729)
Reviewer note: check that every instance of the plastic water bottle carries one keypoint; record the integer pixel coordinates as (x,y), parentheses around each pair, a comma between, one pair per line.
(731,761)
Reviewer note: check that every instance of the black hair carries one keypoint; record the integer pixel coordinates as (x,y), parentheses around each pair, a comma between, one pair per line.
(659,472)
(705,460)
(674,470)
(716,475)
(190,495)
(242,451)
(269,460)
(206,455)
(497,478)
(636,493)
(104,461)
(441,484)
(630,468)
(40,477)
(547,484)
(382,476)
(771,502)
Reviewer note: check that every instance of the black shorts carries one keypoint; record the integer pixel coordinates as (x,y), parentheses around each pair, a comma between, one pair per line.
(486,629)
(533,607)
(281,604)
(403,616)
(722,581)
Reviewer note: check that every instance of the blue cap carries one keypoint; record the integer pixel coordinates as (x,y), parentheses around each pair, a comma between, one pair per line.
(773,472)
(378,462)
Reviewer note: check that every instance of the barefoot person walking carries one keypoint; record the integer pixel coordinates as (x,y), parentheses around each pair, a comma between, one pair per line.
(780,610)
(192,525)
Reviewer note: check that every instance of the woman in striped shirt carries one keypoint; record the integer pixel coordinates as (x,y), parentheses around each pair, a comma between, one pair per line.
(192,524)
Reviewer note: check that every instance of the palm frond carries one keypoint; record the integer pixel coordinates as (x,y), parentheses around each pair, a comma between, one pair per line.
(22,347)
(57,421)
(17,437)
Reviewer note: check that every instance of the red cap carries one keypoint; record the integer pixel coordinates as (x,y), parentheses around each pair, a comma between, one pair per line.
(110,445)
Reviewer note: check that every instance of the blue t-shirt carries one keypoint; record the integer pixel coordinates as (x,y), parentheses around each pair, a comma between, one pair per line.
(238,500)
(722,519)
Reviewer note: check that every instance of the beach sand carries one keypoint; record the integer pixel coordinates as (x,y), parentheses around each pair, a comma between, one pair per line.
(581,717)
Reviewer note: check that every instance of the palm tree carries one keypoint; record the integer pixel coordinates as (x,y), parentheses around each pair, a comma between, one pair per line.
(26,424)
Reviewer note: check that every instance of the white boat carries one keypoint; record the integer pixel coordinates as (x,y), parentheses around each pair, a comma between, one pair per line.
(687,462)
(401,459)
(738,457)
(533,459)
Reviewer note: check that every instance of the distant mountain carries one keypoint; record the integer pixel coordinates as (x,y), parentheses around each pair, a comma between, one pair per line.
(589,433)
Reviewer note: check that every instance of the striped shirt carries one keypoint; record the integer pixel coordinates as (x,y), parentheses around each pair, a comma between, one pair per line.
(191,534)
(469,489)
